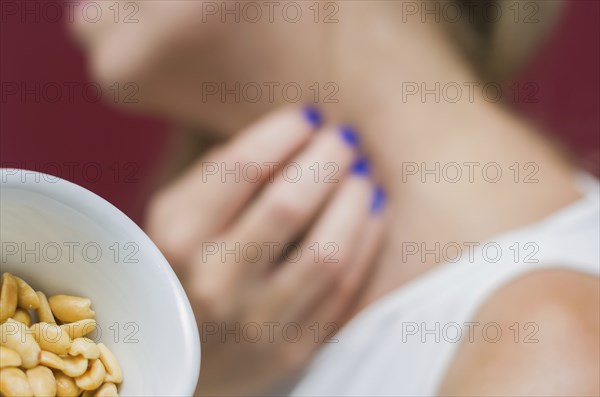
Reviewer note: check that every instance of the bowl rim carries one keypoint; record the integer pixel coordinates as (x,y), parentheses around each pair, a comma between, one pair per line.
(106,214)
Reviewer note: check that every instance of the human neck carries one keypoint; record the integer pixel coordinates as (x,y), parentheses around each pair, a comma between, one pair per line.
(406,134)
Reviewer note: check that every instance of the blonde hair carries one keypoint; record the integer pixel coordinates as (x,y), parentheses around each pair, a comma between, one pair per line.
(499,46)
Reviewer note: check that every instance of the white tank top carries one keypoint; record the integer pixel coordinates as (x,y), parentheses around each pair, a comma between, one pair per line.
(402,344)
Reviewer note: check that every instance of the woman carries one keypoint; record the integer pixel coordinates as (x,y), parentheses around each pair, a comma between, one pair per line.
(475,273)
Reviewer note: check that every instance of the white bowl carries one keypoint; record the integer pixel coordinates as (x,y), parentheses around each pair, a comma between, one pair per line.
(143,314)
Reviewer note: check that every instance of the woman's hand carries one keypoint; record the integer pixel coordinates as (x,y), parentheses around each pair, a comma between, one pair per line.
(272,236)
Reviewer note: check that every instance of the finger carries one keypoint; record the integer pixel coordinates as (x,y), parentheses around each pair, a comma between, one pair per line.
(334,241)
(330,313)
(285,209)
(337,307)
(211,193)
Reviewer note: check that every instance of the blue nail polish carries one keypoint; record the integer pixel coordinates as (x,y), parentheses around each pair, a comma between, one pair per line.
(378,200)
(313,116)
(361,166)
(349,135)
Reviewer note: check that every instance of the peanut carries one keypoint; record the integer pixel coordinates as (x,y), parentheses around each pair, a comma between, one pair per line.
(93,377)
(8,297)
(42,382)
(9,358)
(107,390)
(69,309)
(22,316)
(79,329)
(51,360)
(84,347)
(13,382)
(44,313)
(66,386)
(75,366)
(51,337)
(17,337)
(114,373)
(28,299)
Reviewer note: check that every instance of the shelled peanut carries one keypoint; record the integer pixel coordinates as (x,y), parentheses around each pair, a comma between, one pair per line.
(51,357)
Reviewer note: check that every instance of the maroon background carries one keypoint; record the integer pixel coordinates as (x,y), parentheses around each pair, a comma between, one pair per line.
(48,136)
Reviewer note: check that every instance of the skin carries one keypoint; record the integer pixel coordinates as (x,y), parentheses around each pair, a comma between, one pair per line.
(561,358)
(170,54)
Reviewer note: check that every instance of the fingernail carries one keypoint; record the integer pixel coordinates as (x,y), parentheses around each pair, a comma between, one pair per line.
(349,135)
(378,200)
(361,166)
(313,116)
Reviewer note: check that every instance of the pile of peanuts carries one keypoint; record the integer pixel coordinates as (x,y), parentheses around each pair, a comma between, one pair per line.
(50,358)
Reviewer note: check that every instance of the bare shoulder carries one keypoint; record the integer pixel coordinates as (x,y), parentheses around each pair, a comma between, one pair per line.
(549,344)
